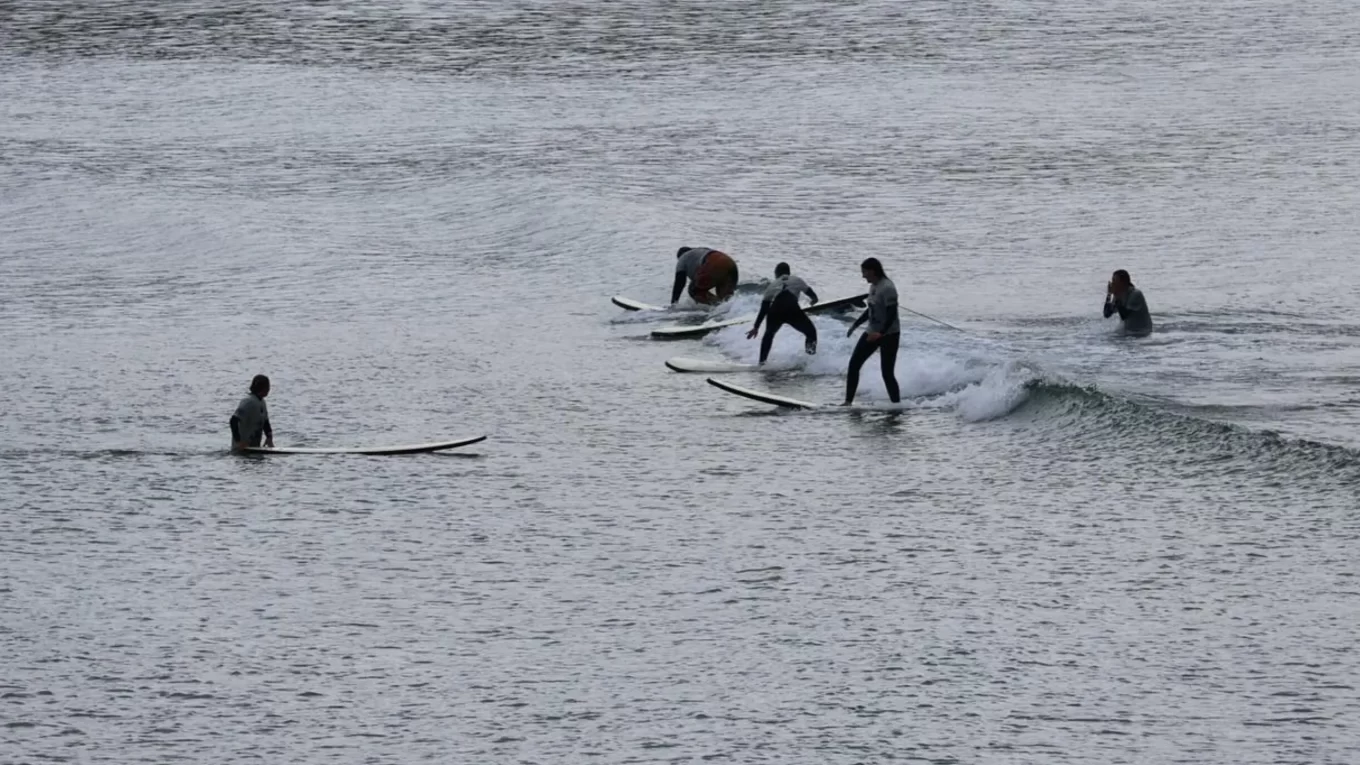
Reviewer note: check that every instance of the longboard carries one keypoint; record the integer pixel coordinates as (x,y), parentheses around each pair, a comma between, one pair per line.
(839,304)
(699,330)
(437,446)
(764,398)
(785,402)
(629,304)
(687,364)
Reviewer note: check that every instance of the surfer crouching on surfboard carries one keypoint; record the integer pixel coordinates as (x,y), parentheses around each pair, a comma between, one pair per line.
(780,306)
(708,272)
(1122,297)
(251,420)
(883,334)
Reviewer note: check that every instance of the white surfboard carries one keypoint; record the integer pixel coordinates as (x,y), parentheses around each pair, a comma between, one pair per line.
(437,446)
(839,304)
(628,304)
(699,330)
(708,366)
(761,396)
(792,403)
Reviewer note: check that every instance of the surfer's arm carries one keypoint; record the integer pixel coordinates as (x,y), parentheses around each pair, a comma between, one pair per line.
(678,287)
(235,429)
(812,296)
(862,318)
(1110,308)
(760,317)
(268,434)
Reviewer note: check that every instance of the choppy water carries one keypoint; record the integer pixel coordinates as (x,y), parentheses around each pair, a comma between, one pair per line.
(1074,547)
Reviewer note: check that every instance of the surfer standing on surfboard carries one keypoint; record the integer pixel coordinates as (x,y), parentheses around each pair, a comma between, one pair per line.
(780,306)
(251,420)
(883,334)
(708,272)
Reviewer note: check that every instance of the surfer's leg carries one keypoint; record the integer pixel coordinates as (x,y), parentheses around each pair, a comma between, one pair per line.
(887,356)
(783,310)
(800,321)
(772,325)
(863,350)
(701,296)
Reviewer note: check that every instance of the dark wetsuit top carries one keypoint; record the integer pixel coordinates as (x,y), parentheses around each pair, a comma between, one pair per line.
(687,269)
(251,422)
(1132,309)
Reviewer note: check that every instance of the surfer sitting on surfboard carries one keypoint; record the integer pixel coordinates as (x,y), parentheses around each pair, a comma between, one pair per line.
(251,420)
(708,272)
(883,334)
(780,306)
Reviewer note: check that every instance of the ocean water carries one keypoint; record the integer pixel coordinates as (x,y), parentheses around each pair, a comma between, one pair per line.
(1070,547)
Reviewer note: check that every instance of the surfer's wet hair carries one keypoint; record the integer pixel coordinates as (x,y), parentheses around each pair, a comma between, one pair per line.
(872,264)
(259,383)
(1123,276)
(781,269)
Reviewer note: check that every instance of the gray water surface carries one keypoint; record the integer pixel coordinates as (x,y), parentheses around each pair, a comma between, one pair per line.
(1072,547)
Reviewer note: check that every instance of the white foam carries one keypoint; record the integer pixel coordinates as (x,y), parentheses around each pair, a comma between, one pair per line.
(936,369)
(997,394)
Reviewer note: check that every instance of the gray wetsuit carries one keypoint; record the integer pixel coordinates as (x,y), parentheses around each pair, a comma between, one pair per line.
(688,264)
(882,308)
(788,283)
(251,421)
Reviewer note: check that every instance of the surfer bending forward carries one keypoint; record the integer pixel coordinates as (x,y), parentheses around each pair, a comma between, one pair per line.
(251,420)
(712,275)
(883,334)
(780,306)
(1127,300)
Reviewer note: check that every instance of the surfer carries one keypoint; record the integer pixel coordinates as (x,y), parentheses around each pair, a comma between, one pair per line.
(780,306)
(712,275)
(1127,300)
(883,334)
(251,420)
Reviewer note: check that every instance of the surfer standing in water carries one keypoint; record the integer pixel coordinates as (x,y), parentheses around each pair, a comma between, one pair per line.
(883,335)
(712,275)
(780,306)
(251,420)
(1127,300)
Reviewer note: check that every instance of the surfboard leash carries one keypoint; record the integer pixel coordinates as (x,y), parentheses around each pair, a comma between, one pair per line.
(937,321)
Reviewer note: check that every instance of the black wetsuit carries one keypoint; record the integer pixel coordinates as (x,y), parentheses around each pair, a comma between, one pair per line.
(780,307)
(1132,309)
